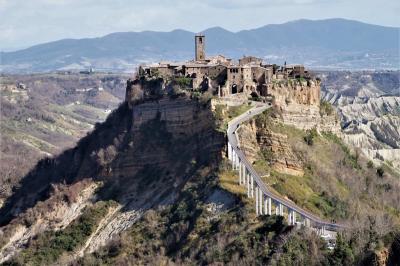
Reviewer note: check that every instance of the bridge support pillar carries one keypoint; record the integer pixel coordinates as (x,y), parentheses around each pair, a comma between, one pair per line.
(261,199)
(233,158)
(252,186)
(240,172)
(266,205)
(236,161)
(307,222)
(294,217)
(269,206)
(246,171)
(280,209)
(257,201)
(243,174)
(248,185)
(229,151)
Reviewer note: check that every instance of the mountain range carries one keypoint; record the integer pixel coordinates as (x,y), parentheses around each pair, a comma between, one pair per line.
(327,44)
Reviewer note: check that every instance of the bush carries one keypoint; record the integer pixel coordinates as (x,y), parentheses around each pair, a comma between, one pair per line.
(183,82)
(342,254)
(325,108)
(380,172)
(309,138)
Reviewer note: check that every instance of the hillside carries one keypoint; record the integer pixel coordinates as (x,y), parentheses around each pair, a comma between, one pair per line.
(316,43)
(151,185)
(369,107)
(41,115)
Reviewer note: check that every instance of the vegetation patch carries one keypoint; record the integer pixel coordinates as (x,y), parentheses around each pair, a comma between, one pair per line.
(223,114)
(326,108)
(49,246)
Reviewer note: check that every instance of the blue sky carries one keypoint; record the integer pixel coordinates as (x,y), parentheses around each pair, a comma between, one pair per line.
(27,22)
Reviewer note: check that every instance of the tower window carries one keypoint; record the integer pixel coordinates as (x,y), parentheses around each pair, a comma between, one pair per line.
(201,40)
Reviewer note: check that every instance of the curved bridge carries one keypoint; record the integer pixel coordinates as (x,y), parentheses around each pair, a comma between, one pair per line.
(268,202)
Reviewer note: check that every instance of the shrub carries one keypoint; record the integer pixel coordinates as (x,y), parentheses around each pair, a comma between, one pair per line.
(183,82)
(342,254)
(309,138)
(325,108)
(380,172)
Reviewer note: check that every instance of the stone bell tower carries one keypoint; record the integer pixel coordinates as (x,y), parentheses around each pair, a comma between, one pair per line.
(199,46)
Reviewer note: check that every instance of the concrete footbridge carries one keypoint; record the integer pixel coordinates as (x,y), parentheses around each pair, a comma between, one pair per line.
(268,202)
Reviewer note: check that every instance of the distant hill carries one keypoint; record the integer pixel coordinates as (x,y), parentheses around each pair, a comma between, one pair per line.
(331,43)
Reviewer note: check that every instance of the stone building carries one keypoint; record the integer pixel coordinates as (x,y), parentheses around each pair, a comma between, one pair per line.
(245,60)
(249,75)
(200,54)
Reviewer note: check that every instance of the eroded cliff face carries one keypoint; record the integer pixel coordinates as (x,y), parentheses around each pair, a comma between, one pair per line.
(296,92)
(258,140)
(60,209)
(299,103)
(371,124)
(140,158)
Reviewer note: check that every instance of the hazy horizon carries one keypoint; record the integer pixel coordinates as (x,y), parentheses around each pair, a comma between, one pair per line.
(24,24)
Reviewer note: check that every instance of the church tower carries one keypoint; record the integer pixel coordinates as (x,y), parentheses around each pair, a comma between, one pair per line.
(199,46)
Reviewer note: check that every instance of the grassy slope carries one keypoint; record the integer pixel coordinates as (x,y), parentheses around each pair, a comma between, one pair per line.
(336,184)
(223,114)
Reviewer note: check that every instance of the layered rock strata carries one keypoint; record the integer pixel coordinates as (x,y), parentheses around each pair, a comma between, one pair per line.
(299,103)
(255,141)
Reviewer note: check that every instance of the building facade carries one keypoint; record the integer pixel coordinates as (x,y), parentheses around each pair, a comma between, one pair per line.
(249,75)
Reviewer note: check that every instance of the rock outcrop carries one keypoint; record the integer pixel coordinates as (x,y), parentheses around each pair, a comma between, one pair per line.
(53,214)
(255,141)
(282,157)
(371,124)
(299,103)
(142,155)
(368,103)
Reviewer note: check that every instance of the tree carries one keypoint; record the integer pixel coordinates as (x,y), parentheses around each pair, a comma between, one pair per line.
(342,254)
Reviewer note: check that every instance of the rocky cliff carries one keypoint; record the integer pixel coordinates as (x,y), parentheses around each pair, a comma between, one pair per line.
(257,139)
(371,124)
(140,158)
(299,103)
(368,104)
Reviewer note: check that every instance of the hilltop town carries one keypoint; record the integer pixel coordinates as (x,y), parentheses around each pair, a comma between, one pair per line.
(291,88)
(249,76)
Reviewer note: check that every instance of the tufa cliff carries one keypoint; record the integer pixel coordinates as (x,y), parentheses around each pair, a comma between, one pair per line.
(257,139)
(299,103)
(139,158)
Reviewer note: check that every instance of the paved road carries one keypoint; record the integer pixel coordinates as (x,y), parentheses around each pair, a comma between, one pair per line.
(232,127)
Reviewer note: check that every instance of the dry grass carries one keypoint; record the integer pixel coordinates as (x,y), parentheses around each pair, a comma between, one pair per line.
(229,180)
